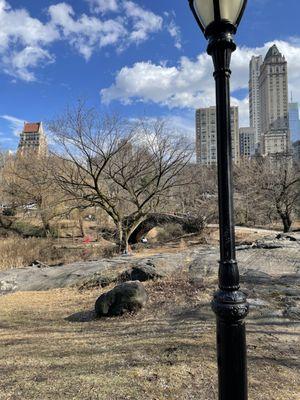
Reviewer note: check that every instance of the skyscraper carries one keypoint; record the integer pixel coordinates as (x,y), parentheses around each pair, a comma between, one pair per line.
(294,121)
(206,135)
(247,141)
(33,139)
(273,89)
(254,96)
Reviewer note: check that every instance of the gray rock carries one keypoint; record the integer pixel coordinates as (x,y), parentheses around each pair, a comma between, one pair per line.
(267,244)
(126,297)
(202,261)
(292,313)
(257,303)
(141,272)
(96,280)
(292,236)
(256,277)
(203,266)
(292,279)
(290,291)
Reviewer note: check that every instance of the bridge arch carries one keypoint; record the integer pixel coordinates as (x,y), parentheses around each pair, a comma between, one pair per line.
(189,224)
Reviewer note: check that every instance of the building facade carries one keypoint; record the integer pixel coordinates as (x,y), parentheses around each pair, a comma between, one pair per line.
(247,142)
(294,121)
(274,115)
(33,139)
(254,96)
(206,135)
(296,150)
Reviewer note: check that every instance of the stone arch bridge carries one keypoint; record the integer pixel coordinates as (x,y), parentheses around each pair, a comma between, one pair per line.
(189,224)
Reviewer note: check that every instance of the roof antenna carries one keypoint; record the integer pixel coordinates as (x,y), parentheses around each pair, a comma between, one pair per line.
(291,96)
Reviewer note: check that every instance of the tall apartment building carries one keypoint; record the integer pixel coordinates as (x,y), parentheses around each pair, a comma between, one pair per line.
(33,139)
(247,141)
(254,95)
(296,150)
(206,135)
(294,121)
(274,116)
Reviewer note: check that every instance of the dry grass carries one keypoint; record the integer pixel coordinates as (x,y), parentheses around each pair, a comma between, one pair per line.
(16,252)
(51,347)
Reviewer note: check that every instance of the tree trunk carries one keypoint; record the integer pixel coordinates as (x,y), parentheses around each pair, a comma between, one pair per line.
(287,223)
(127,231)
(47,229)
(46,225)
(80,223)
(120,236)
(126,244)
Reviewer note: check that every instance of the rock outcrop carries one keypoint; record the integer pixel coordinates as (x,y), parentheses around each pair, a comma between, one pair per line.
(142,271)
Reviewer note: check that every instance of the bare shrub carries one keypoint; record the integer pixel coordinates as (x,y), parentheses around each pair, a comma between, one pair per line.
(169,232)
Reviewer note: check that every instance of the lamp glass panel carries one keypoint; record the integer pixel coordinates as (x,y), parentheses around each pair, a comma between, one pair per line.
(231,9)
(205,11)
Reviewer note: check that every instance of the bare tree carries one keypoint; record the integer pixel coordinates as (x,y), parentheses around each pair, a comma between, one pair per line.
(124,168)
(274,184)
(26,180)
(199,197)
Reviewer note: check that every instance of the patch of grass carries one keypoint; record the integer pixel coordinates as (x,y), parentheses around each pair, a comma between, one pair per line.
(51,347)
(17,252)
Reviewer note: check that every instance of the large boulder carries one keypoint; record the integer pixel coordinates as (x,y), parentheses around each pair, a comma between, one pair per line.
(126,297)
(141,272)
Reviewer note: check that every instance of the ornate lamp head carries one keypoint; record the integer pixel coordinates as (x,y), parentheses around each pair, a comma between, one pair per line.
(218,16)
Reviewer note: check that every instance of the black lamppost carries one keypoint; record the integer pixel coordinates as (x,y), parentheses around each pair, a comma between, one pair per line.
(218,20)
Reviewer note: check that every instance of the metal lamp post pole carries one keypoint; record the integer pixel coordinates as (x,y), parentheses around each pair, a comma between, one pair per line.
(218,20)
(229,304)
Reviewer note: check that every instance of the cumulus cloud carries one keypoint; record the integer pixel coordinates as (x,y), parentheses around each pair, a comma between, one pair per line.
(22,41)
(189,84)
(144,22)
(25,41)
(19,26)
(87,32)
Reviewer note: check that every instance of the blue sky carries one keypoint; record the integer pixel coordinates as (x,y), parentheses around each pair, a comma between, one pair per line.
(134,57)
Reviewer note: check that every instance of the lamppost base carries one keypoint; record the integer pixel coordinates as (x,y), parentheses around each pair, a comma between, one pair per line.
(231,308)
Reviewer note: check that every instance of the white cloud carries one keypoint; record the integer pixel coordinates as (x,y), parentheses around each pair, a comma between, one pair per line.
(19,26)
(22,39)
(144,21)
(16,124)
(103,6)
(175,33)
(25,41)
(183,124)
(189,84)
(17,63)
(85,33)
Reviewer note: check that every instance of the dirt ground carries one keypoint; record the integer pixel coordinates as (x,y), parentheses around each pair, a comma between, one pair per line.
(52,347)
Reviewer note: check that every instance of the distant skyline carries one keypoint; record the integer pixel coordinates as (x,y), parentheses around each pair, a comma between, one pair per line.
(137,58)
